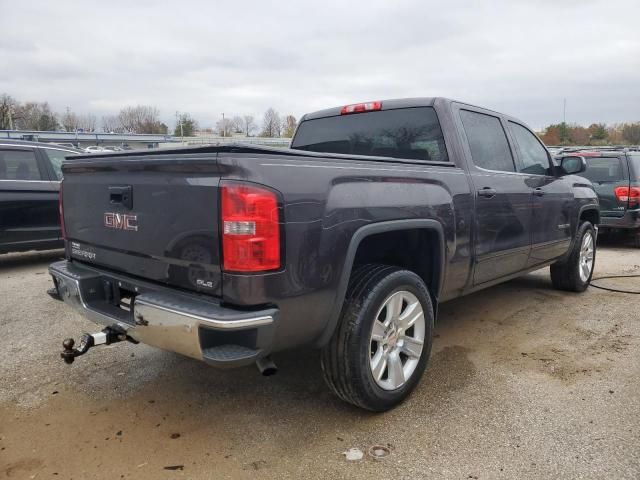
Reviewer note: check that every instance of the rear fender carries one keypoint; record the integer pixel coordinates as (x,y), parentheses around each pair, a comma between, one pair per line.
(357,239)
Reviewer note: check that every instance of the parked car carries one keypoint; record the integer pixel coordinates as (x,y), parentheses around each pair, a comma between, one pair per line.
(615,174)
(95,148)
(347,242)
(30,176)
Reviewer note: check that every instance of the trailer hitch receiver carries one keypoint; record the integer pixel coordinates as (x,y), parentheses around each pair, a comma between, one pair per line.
(105,337)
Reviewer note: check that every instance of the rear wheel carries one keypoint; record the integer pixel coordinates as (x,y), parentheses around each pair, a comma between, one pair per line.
(574,273)
(382,343)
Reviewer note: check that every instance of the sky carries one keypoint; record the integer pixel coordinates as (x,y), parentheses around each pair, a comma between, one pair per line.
(242,57)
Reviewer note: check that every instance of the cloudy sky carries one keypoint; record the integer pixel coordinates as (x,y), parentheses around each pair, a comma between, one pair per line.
(241,57)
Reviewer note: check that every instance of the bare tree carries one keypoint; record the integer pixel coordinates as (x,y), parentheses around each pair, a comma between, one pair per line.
(111,124)
(141,119)
(631,133)
(35,116)
(69,121)
(289,125)
(238,124)
(8,107)
(225,127)
(249,125)
(271,124)
(87,122)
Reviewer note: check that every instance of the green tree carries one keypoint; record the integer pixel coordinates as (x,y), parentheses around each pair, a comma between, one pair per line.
(563,132)
(598,132)
(186,126)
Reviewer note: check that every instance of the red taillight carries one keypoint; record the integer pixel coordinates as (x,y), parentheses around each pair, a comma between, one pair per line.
(61,213)
(250,228)
(628,194)
(361,107)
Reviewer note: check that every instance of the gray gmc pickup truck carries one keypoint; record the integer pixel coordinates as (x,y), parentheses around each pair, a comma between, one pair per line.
(346,242)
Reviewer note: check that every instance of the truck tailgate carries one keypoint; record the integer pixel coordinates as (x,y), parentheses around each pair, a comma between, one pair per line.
(155,218)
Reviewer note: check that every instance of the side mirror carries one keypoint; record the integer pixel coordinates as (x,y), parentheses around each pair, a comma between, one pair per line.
(573,164)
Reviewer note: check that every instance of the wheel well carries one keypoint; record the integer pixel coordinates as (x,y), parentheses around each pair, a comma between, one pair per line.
(591,215)
(417,250)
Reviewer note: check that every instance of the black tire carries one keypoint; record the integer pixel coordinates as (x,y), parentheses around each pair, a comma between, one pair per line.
(565,275)
(346,358)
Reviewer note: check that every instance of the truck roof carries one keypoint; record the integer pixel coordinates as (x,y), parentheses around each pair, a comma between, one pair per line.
(390,104)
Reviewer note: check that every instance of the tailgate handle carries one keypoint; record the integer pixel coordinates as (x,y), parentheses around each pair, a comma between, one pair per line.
(121,195)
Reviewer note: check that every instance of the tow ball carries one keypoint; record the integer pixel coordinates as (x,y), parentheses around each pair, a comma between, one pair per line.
(105,337)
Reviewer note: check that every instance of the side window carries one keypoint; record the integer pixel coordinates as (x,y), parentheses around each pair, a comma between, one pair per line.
(634,166)
(19,165)
(56,157)
(487,141)
(533,155)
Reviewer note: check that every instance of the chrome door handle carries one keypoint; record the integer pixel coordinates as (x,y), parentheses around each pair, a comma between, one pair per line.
(487,192)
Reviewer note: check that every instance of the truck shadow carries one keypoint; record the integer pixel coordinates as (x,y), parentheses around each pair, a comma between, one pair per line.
(250,420)
(30,259)
(298,387)
(618,240)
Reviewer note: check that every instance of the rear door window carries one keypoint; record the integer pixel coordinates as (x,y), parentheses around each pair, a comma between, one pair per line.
(19,165)
(487,141)
(405,133)
(604,169)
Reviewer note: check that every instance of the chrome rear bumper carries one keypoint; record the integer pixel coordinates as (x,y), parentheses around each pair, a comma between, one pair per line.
(167,319)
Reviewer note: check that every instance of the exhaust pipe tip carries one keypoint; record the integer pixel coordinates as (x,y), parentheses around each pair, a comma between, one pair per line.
(266,366)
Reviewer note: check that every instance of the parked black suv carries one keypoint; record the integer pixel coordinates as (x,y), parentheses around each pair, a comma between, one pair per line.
(30,177)
(615,174)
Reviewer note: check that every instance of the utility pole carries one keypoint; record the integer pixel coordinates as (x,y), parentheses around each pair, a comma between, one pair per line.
(179,122)
(224,127)
(564,111)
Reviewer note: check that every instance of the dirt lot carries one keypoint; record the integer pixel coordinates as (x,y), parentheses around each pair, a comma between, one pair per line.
(524,382)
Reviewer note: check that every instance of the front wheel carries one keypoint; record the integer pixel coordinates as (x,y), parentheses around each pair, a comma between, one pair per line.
(382,343)
(574,273)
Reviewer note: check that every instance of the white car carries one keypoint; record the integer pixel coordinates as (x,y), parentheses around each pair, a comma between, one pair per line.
(94,148)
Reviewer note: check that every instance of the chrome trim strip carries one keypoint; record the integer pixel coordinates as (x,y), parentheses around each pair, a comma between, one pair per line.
(17,145)
(229,324)
(31,181)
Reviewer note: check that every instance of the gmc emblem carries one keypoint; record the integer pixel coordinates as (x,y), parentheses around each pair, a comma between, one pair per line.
(121,221)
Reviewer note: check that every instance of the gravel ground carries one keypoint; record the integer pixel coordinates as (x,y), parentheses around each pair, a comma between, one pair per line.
(524,382)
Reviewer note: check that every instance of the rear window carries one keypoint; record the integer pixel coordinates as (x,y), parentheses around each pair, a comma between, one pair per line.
(409,133)
(604,169)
